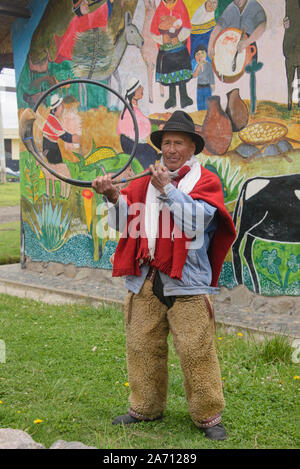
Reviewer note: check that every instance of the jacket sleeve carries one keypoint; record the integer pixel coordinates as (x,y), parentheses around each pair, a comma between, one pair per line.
(117,213)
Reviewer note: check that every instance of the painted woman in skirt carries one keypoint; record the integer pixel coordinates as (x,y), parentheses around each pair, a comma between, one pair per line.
(170,29)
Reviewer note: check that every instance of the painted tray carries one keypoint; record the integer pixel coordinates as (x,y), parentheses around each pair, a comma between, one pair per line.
(261,133)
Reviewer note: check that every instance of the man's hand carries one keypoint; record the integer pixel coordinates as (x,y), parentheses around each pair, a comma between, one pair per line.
(159,177)
(103,185)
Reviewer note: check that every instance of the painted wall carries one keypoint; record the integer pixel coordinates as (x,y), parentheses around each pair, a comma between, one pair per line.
(246,108)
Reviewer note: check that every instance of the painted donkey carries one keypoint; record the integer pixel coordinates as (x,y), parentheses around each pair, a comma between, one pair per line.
(101,61)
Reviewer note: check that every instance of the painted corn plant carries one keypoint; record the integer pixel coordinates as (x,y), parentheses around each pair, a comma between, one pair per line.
(99,159)
(50,226)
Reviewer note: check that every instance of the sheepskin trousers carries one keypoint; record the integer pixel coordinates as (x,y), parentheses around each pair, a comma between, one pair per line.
(148,322)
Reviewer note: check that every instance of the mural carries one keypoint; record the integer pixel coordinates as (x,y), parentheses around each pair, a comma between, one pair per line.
(233,65)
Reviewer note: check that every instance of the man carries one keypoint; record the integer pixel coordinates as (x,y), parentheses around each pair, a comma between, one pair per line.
(247,15)
(171,264)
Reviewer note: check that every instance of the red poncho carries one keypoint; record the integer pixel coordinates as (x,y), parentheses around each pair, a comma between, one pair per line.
(170,255)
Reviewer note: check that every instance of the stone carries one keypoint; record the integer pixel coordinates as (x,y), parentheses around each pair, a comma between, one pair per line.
(224,296)
(61,444)
(241,296)
(17,439)
(282,305)
(102,275)
(70,271)
(54,269)
(84,273)
(260,303)
(34,266)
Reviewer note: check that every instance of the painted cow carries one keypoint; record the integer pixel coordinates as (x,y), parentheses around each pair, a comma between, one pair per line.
(269,209)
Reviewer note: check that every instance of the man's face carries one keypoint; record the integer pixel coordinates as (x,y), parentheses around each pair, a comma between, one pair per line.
(177,148)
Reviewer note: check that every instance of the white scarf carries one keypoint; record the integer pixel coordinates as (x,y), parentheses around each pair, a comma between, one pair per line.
(154,204)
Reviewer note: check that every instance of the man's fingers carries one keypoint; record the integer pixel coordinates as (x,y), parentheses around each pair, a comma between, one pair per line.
(161,169)
(102,184)
(158,168)
(153,169)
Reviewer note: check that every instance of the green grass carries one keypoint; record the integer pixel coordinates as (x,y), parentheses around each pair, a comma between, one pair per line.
(65,365)
(9,242)
(10,194)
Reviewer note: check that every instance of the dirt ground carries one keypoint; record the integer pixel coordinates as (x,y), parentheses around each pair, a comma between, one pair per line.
(9,214)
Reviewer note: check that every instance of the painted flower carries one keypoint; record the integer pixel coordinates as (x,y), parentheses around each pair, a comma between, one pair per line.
(270,261)
(294,263)
(87,195)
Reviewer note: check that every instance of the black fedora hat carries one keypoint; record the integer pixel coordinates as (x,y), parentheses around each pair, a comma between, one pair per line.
(179,121)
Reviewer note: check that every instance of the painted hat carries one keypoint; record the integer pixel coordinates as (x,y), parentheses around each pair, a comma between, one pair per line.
(132,85)
(179,121)
(55,101)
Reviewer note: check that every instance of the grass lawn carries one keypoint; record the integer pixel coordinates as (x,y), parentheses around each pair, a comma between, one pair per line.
(65,365)
(9,194)
(9,242)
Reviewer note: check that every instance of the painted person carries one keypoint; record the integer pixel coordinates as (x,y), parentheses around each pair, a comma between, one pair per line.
(203,22)
(145,153)
(171,263)
(53,130)
(247,15)
(170,29)
(203,71)
(82,21)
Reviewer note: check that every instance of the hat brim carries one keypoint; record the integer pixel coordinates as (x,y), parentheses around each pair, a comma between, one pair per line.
(157,135)
(54,106)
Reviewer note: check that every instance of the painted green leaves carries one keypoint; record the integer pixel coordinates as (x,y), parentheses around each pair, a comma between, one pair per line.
(271,261)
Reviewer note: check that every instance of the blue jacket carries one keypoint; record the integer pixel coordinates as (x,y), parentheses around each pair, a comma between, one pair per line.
(198,222)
